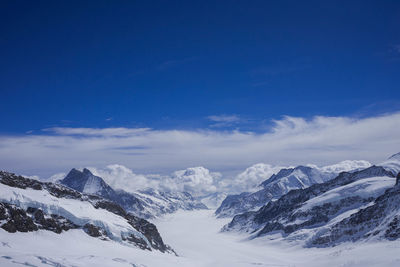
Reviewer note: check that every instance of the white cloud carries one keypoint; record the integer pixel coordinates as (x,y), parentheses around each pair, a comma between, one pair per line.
(291,141)
(252,177)
(121,177)
(346,165)
(198,181)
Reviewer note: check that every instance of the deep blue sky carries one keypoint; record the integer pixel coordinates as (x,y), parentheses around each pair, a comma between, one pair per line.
(170,64)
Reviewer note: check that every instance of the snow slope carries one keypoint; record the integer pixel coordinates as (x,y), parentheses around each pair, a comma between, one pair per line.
(365,188)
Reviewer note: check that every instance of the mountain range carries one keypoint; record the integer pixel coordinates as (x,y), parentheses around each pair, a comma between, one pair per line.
(354,205)
(281,183)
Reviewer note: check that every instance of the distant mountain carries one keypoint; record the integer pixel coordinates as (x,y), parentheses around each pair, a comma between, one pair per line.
(276,186)
(354,205)
(157,203)
(28,205)
(145,203)
(281,183)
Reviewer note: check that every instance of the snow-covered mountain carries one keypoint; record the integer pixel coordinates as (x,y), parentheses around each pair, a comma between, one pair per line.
(144,203)
(281,183)
(354,205)
(27,205)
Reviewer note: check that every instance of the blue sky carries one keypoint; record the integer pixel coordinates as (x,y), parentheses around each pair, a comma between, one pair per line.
(159,86)
(173,64)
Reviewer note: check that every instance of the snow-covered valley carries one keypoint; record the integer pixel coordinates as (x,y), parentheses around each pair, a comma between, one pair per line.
(196,238)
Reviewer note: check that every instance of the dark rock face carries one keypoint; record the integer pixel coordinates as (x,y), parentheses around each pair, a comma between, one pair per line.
(13,218)
(16,219)
(52,222)
(393,230)
(94,231)
(148,229)
(20,220)
(63,192)
(19,181)
(139,242)
(286,216)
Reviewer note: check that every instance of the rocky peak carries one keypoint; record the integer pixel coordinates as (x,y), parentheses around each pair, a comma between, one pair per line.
(85,181)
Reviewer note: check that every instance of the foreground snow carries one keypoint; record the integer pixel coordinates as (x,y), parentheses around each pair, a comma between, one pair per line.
(195,237)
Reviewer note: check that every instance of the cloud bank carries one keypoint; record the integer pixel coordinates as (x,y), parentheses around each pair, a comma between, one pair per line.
(198,181)
(289,141)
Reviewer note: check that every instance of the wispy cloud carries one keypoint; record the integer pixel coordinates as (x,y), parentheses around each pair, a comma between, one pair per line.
(224,120)
(290,141)
(104,132)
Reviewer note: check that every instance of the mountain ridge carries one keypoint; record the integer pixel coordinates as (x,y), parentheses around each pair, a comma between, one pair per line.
(349,193)
(28,205)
